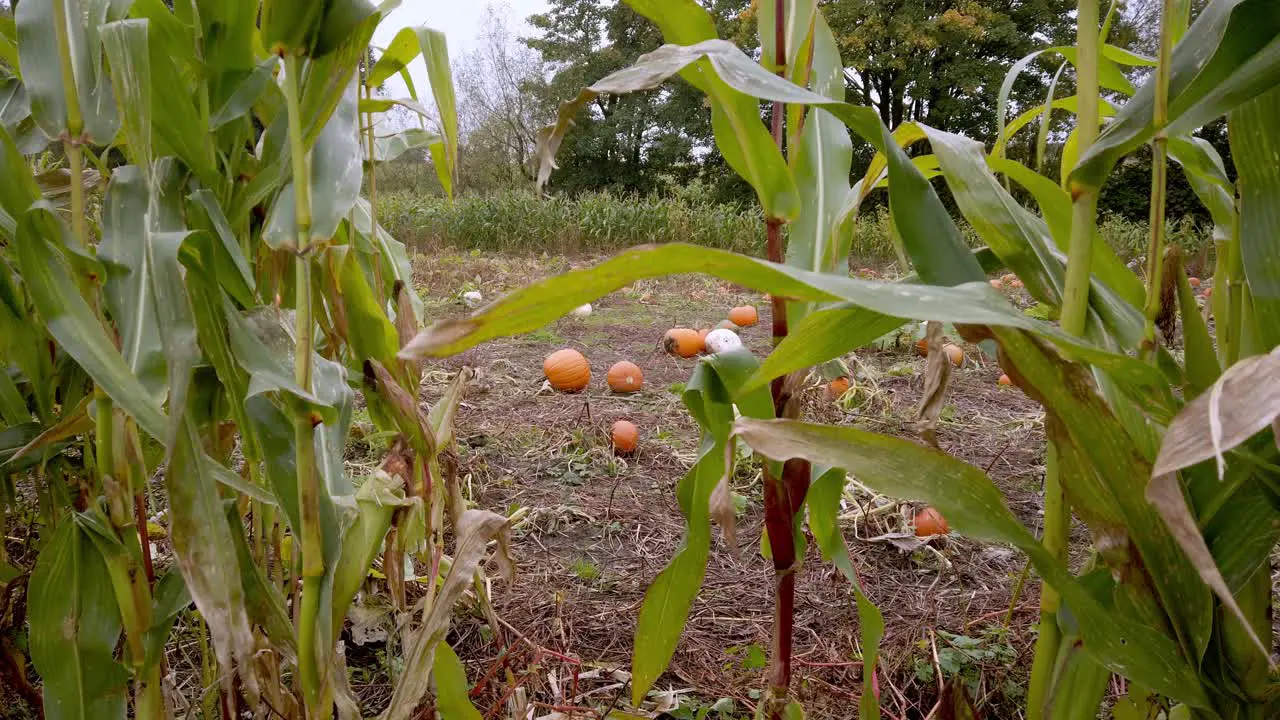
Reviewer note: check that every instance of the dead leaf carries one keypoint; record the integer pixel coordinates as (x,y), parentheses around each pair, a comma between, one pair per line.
(1244,401)
(721,501)
(937,370)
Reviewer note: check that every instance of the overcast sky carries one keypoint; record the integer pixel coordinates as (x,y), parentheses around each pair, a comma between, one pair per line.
(460,21)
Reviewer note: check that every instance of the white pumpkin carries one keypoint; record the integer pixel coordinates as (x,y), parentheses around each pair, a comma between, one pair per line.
(582,310)
(471,298)
(723,340)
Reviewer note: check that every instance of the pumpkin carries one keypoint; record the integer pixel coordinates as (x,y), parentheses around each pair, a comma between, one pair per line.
(1193,281)
(930,522)
(954,353)
(725,325)
(567,370)
(702,335)
(922,347)
(996,283)
(1008,277)
(683,342)
(837,388)
(625,435)
(625,377)
(582,310)
(722,340)
(1004,380)
(1016,283)
(1207,292)
(744,316)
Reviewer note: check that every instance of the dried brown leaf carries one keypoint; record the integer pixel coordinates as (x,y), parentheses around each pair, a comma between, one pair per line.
(1244,401)
(721,501)
(474,530)
(937,370)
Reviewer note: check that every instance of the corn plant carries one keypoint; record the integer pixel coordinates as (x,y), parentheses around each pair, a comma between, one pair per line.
(1166,455)
(192,293)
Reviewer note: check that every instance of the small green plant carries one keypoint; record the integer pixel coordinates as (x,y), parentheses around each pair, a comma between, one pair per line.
(585,570)
(973,660)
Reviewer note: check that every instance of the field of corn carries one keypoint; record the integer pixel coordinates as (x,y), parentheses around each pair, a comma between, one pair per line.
(274,443)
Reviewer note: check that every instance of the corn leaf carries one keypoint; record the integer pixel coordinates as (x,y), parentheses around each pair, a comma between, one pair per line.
(42,73)
(1253,138)
(435,53)
(670,596)
(973,505)
(452,699)
(335,181)
(823,501)
(75,625)
(1228,56)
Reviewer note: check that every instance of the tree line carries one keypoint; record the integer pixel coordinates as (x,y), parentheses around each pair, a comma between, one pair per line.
(937,62)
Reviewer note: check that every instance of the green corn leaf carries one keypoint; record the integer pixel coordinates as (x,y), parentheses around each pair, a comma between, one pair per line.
(973,505)
(395,260)
(335,181)
(972,303)
(453,701)
(798,17)
(265,606)
(443,412)
(1070,103)
(822,169)
(1253,139)
(1203,168)
(261,344)
(227,261)
(125,44)
(42,69)
(1088,423)
(1199,358)
(1228,56)
(127,225)
(378,498)
(435,52)
(1055,206)
(307,28)
(1080,683)
(670,596)
(246,94)
(170,598)
(370,332)
(74,421)
(823,500)
(19,190)
(13,406)
(402,50)
(72,323)
(75,625)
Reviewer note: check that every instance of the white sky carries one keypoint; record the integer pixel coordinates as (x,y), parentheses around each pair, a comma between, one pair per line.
(460,22)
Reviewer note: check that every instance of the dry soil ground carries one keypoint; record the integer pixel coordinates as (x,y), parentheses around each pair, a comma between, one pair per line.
(599,527)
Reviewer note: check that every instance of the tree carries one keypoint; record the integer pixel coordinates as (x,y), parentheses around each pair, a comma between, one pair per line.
(498,113)
(633,142)
(941,62)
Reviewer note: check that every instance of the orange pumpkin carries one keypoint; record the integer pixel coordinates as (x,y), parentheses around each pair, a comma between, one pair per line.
(1008,277)
(996,283)
(702,335)
(1193,281)
(625,436)
(930,522)
(683,342)
(1004,380)
(625,377)
(744,316)
(1207,292)
(1016,283)
(838,387)
(724,325)
(922,347)
(954,353)
(567,370)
